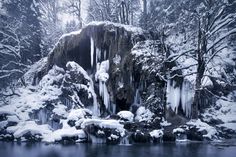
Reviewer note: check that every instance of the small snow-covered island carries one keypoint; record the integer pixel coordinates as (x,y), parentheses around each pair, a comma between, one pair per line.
(117,82)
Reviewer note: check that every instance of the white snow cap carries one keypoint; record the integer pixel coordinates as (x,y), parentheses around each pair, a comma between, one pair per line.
(127,115)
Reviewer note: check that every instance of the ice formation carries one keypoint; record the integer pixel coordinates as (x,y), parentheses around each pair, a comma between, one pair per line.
(187,93)
(173,95)
(92,50)
(180,95)
(102,76)
(137,98)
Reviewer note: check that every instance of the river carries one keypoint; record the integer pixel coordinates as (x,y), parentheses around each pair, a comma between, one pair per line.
(135,150)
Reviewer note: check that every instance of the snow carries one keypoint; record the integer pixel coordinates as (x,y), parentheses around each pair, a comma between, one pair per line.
(165,123)
(29,127)
(73,66)
(206,81)
(34,98)
(91,50)
(34,69)
(127,115)
(77,114)
(178,130)
(224,110)
(110,124)
(145,48)
(201,126)
(117,59)
(60,110)
(156,133)
(65,132)
(143,115)
(129,28)
(113,137)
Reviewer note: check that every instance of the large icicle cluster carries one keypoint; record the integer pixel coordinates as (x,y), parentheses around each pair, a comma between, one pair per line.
(180,95)
(102,76)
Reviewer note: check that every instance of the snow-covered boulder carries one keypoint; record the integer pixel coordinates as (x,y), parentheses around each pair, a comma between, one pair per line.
(143,115)
(126,115)
(156,135)
(103,131)
(29,131)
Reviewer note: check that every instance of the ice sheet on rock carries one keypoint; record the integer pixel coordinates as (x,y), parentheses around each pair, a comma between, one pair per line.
(156,133)
(143,115)
(127,115)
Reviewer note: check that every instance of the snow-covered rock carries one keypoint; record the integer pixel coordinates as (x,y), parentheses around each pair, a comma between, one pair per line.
(209,131)
(156,133)
(143,115)
(126,115)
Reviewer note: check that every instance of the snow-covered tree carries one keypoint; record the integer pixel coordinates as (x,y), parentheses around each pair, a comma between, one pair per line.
(120,11)
(20,38)
(52,27)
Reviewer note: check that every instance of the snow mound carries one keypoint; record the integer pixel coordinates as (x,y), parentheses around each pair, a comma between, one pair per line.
(104,124)
(29,127)
(65,132)
(143,115)
(126,115)
(78,114)
(156,133)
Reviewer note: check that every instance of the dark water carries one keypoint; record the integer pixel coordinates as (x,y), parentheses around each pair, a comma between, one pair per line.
(99,150)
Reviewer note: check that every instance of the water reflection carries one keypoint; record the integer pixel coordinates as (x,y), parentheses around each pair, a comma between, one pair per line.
(100,150)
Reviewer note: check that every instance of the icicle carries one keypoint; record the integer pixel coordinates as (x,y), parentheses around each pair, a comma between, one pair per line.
(125,141)
(187,94)
(103,76)
(105,54)
(137,98)
(173,95)
(91,50)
